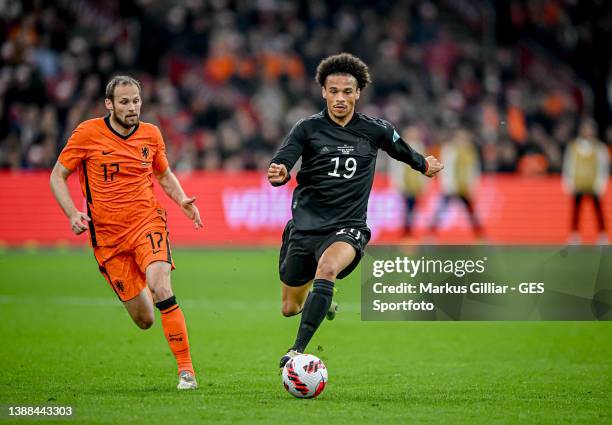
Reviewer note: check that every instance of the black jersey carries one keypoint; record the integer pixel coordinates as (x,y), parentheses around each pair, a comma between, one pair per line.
(338,166)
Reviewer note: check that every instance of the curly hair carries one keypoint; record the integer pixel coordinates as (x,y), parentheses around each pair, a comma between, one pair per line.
(343,63)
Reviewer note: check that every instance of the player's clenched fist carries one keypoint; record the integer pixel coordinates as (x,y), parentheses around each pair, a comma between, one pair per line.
(277,173)
(433,166)
(77,222)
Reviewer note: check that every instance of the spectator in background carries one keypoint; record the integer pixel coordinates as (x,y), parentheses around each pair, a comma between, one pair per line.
(585,174)
(460,178)
(408,182)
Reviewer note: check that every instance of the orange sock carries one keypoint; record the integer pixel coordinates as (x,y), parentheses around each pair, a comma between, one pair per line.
(175,331)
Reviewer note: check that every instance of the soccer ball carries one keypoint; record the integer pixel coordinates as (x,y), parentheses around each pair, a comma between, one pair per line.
(305,376)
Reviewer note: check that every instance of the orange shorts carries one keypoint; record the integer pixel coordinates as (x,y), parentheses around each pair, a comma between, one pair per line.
(124,265)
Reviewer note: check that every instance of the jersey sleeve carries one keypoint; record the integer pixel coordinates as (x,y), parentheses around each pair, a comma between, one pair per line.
(292,147)
(75,150)
(160,161)
(391,142)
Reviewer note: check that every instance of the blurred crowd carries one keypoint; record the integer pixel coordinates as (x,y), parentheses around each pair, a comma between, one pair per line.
(225,80)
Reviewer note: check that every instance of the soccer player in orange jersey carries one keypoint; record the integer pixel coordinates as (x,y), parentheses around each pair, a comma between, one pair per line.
(116,157)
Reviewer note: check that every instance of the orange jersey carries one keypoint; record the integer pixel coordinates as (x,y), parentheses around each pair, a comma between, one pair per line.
(116,172)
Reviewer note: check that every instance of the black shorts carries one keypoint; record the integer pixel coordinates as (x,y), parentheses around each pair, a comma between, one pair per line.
(301,251)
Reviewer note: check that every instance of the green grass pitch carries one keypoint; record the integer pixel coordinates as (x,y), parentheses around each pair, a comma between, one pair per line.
(66,340)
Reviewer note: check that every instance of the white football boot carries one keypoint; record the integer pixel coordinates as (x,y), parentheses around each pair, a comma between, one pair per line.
(187,381)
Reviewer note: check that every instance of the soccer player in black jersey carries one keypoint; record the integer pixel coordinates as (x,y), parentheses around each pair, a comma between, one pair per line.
(328,233)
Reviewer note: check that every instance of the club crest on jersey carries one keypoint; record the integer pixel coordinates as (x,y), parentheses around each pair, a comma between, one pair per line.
(144,151)
(346,150)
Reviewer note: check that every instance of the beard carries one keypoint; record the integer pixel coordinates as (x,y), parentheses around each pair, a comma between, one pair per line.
(123,123)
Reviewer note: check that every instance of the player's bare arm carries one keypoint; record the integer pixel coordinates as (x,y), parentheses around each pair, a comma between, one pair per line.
(277,174)
(77,219)
(173,189)
(433,166)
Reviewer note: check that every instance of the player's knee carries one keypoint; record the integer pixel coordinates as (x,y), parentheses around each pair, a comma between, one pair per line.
(327,270)
(289,309)
(145,321)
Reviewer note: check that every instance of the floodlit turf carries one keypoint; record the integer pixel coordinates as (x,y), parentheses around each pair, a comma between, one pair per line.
(67,341)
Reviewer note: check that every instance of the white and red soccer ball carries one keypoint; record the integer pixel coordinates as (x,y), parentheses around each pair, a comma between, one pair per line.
(305,376)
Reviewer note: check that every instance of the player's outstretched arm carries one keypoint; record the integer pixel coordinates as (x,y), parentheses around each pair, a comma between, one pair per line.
(58,178)
(168,181)
(278,174)
(433,166)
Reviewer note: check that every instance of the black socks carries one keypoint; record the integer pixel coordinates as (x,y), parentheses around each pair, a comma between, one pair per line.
(315,308)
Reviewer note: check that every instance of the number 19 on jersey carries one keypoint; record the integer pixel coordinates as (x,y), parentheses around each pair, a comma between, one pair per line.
(350,165)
